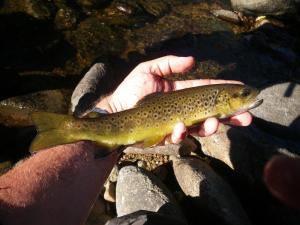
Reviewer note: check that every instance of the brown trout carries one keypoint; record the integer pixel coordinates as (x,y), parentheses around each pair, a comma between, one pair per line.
(150,120)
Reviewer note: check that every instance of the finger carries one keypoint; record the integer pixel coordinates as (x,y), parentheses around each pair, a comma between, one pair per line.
(281,176)
(167,65)
(243,119)
(208,127)
(178,134)
(200,82)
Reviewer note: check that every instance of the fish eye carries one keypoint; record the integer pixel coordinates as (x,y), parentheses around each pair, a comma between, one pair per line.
(245,92)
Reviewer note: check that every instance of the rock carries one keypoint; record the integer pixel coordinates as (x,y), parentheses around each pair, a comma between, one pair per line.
(138,189)
(36,8)
(198,180)
(227,15)
(65,19)
(87,93)
(110,191)
(16,111)
(94,39)
(156,8)
(91,4)
(265,7)
(280,111)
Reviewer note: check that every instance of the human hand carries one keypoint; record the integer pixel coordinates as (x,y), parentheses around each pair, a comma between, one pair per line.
(281,176)
(149,77)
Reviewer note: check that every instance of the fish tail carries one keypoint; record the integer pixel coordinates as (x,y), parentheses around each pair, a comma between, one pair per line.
(51,131)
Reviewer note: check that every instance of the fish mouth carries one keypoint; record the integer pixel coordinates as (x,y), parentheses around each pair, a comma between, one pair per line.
(255,104)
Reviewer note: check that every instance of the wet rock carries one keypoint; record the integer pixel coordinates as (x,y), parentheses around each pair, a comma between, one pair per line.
(36,8)
(138,189)
(156,8)
(16,111)
(91,4)
(227,15)
(266,7)
(198,180)
(94,39)
(87,93)
(279,115)
(65,19)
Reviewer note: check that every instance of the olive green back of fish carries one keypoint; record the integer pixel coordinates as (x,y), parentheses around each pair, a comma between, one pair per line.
(149,122)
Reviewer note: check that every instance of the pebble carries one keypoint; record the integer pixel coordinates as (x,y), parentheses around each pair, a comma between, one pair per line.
(199,181)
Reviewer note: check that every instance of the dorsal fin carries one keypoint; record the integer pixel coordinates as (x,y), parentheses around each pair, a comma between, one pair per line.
(147,98)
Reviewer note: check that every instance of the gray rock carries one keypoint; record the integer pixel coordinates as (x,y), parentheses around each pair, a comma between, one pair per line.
(138,189)
(89,90)
(265,7)
(280,110)
(198,180)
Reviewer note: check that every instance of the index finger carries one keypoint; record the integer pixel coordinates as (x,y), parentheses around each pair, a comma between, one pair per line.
(167,65)
(177,85)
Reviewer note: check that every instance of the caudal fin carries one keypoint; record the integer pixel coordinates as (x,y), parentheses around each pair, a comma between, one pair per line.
(51,131)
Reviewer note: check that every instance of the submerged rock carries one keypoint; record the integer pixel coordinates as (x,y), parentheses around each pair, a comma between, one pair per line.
(94,39)
(65,19)
(36,8)
(266,7)
(198,180)
(16,111)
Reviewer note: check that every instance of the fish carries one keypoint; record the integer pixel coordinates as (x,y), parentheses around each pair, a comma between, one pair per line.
(152,118)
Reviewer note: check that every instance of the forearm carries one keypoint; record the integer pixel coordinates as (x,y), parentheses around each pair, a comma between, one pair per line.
(55,186)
